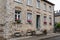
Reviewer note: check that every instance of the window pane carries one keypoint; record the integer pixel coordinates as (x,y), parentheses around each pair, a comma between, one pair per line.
(29,16)
(38,4)
(45,18)
(44,6)
(17,14)
(19,17)
(15,17)
(50,8)
(29,2)
(18,0)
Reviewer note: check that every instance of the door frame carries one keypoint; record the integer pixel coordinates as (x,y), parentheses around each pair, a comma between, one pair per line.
(38,25)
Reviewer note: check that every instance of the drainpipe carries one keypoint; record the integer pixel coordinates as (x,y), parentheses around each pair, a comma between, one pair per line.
(54,23)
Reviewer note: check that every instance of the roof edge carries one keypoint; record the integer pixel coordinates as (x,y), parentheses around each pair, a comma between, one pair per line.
(48,2)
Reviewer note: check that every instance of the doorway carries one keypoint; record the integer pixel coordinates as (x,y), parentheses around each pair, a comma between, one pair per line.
(38,22)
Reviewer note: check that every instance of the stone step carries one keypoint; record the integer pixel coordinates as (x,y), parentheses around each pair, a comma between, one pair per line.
(39,33)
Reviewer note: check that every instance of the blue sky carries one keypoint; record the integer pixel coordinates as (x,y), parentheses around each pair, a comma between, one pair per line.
(57,4)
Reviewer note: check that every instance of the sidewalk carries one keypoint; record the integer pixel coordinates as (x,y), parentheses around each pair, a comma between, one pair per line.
(37,38)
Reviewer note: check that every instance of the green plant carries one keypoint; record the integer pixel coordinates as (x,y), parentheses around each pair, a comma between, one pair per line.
(57,25)
(45,31)
(18,21)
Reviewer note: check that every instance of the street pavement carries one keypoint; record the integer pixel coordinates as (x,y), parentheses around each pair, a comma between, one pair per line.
(53,38)
(38,38)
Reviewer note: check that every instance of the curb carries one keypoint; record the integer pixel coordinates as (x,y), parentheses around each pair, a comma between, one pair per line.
(20,38)
(49,37)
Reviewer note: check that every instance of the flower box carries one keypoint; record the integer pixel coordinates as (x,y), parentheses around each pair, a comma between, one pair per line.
(18,21)
(50,23)
(29,21)
(45,23)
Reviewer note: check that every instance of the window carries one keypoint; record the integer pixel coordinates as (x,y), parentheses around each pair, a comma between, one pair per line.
(18,1)
(38,3)
(17,15)
(44,6)
(45,22)
(50,9)
(29,2)
(29,17)
(50,20)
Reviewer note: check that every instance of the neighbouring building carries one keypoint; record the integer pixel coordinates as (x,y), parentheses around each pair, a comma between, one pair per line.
(25,15)
(57,17)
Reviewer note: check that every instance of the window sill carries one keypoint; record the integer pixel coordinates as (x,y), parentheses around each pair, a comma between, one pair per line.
(29,23)
(29,5)
(50,12)
(17,23)
(45,10)
(18,2)
(38,8)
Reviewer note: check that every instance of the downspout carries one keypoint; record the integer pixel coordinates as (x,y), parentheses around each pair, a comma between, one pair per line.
(54,22)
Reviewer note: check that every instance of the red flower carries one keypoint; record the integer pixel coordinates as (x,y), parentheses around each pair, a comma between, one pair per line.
(17,19)
(45,22)
(29,20)
(50,23)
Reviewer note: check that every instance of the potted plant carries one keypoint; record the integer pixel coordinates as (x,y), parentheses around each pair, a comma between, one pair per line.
(18,20)
(45,31)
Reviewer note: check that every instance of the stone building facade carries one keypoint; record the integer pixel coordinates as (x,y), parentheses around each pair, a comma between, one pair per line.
(57,17)
(25,15)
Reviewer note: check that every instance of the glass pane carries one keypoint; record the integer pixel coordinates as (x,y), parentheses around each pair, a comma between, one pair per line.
(38,4)
(19,17)
(29,16)
(44,16)
(29,2)
(17,14)
(15,17)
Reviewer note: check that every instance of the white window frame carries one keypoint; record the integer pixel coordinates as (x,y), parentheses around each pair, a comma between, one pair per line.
(29,16)
(38,3)
(29,2)
(45,6)
(18,14)
(45,18)
(50,19)
(50,8)
(20,1)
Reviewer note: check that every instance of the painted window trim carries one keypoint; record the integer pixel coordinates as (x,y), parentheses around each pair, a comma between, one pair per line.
(28,3)
(37,4)
(18,16)
(45,7)
(50,22)
(45,21)
(18,1)
(29,20)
